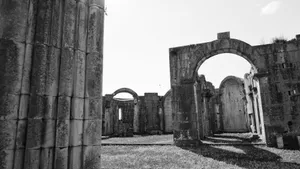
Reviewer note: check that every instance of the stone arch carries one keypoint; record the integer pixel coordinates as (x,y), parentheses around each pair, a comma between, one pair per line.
(184,64)
(232,46)
(167,110)
(136,106)
(126,90)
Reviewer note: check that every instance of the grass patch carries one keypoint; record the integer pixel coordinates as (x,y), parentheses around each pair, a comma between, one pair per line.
(205,156)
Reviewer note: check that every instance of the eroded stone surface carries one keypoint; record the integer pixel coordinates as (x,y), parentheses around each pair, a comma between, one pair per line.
(43,69)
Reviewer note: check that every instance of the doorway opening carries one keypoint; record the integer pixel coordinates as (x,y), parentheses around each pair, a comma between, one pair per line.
(125,108)
(228,101)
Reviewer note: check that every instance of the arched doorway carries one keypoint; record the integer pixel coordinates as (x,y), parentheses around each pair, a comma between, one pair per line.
(124,119)
(184,63)
(234,116)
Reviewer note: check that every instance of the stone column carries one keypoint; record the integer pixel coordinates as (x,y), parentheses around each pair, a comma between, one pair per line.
(51,83)
(136,121)
(185,121)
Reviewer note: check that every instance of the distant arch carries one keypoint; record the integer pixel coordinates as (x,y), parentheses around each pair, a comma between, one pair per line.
(126,90)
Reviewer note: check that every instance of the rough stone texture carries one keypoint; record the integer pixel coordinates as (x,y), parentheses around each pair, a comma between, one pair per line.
(275,70)
(233,113)
(149,114)
(91,157)
(167,105)
(152,110)
(51,60)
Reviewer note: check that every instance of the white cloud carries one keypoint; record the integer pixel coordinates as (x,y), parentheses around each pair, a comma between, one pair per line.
(271,8)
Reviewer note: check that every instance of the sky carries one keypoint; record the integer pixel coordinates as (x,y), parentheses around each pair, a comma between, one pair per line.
(139,33)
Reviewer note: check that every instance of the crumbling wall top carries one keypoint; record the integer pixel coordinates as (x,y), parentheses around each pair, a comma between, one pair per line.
(223,35)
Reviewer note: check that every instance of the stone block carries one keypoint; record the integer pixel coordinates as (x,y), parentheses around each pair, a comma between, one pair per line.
(75,157)
(66,72)
(25,88)
(64,108)
(8,134)
(45,70)
(48,136)
(52,71)
(21,134)
(81,31)
(224,35)
(92,132)
(61,158)
(32,159)
(69,23)
(76,132)
(93,108)
(11,66)
(62,133)
(56,22)
(39,69)
(34,133)
(92,157)
(79,75)
(7,159)
(31,21)
(14,20)
(47,158)
(93,78)
(19,158)
(95,29)
(23,106)
(42,107)
(9,105)
(77,108)
(43,23)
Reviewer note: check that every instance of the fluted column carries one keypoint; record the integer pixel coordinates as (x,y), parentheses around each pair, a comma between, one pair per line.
(51,60)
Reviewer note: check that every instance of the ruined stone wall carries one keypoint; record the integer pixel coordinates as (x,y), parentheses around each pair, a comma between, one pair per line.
(152,111)
(211,108)
(234,117)
(151,114)
(275,70)
(126,122)
(168,122)
(204,91)
(282,96)
(216,119)
(51,55)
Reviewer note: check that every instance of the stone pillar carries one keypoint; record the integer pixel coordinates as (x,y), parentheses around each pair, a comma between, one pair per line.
(51,83)
(184,109)
(199,108)
(136,121)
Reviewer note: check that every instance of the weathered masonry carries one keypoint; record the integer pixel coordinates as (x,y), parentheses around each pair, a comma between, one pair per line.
(51,55)
(233,117)
(148,114)
(274,86)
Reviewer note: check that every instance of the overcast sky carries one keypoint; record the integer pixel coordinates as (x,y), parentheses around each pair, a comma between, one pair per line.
(139,33)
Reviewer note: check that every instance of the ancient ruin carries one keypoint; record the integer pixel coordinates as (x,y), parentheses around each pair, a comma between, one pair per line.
(51,61)
(148,114)
(272,87)
(51,83)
